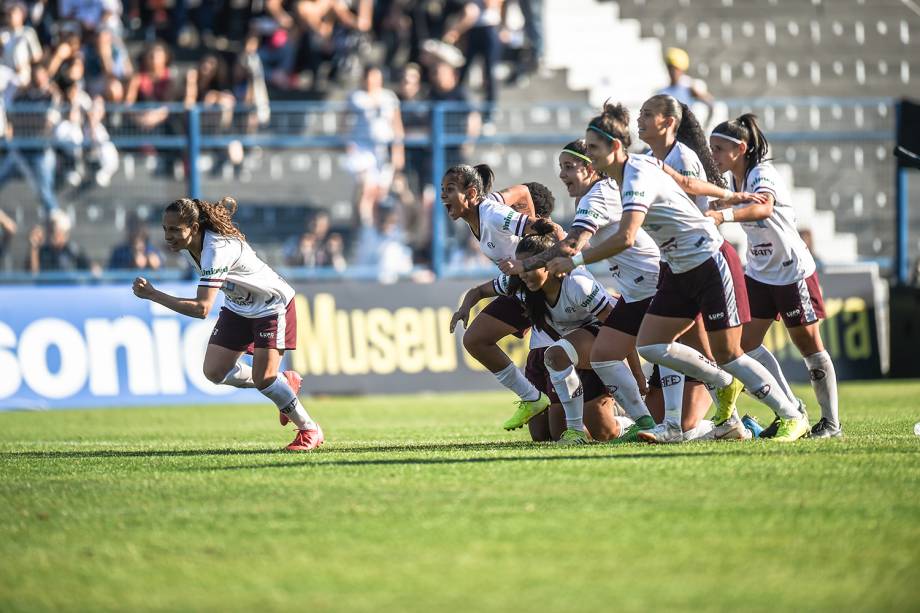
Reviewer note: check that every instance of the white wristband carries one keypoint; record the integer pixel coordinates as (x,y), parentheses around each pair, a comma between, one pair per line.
(578,259)
(727,194)
(728,214)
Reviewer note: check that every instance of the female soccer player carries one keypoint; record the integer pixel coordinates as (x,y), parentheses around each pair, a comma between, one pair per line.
(465,192)
(696,275)
(780,273)
(675,137)
(569,310)
(258,313)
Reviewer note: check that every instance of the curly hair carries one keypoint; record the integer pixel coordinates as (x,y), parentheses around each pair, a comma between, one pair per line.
(543,200)
(689,132)
(214,216)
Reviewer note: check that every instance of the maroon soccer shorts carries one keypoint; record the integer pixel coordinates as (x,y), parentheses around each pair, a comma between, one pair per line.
(798,303)
(238,333)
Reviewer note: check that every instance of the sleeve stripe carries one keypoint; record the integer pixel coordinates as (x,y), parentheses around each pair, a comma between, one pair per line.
(522,223)
(497,196)
(586,224)
(496,287)
(635,205)
(211,285)
(600,306)
(768,190)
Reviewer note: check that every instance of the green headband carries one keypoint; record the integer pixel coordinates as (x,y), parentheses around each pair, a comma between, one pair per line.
(599,131)
(578,155)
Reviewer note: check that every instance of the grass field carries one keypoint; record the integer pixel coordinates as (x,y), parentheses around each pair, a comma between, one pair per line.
(422,504)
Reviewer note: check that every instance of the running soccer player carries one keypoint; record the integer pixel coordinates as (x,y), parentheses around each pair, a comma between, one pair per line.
(466,194)
(258,314)
(635,277)
(675,137)
(696,276)
(780,274)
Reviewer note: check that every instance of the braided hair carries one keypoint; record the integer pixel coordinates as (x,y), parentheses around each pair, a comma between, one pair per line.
(746,129)
(689,132)
(214,216)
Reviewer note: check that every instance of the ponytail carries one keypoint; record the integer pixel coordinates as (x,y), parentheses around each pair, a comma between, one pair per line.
(479,177)
(746,129)
(214,216)
(486,175)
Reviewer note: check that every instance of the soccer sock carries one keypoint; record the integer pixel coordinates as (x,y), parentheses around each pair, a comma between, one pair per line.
(762,385)
(672,388)
(824,382)
(512,378)
(568,387)
(287,402)
(624,423)
(687,360)
(702,429)
(768,360)
(239,376)
(621,384)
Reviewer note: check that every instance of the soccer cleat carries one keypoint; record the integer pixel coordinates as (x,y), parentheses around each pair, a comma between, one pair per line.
(825,429)
(573,437)
(662,433)
(731,428)
(295,381)
(770,431)
(750,422)
(791,429)
(527,410)
(631,435)
(307,440)
(726,399)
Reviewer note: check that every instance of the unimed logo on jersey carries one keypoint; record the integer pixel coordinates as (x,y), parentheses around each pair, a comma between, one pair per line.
(633,194)
(589,213)
(591,297)
(211,272)
(506,224)
(762,179)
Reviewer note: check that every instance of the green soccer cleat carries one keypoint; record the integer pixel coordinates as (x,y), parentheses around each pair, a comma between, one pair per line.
(527,410)
(573,437)
(726,399)
(791,429)
(631,435)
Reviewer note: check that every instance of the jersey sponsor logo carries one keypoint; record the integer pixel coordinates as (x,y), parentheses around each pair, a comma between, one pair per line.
(589,213)
(633,194)
(702,241)
(210,272)
(762,179)
(788,262)
(689,173)
(762,249)
(570,309)
(668,245)
(591,296)
(506,223)
(615,270)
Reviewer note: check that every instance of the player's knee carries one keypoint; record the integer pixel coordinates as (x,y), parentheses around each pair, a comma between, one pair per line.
(653,353)
(474,342)
(215,373)
(262,380)
(556,358)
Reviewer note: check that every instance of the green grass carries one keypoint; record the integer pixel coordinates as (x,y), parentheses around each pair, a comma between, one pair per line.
(422,504)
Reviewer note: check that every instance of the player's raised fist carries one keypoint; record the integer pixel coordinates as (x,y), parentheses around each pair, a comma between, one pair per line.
(142,287)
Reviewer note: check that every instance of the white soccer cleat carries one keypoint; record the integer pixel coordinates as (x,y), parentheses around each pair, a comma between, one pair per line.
(662,433)
(731,428)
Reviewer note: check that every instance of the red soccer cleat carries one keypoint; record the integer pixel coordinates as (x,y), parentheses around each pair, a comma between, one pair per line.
(295,381)
(307,440)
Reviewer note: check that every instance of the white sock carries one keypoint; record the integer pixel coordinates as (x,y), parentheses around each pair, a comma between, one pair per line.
(622,385)
(624,422)
(824,382)
(512,378)
(702,429)
(762,385)
(284,398)
(239,376)
(687,360)
(672,388)
(768,360)
(568,387)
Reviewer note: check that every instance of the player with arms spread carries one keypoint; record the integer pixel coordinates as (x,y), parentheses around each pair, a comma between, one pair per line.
(780,275)
(696,277)
(258,314)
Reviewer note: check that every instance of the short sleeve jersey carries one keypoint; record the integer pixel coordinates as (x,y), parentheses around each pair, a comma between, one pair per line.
(635,271)
(500,228)
(251,288)
(684,160)
(777,255)
(581,299)
(684,236)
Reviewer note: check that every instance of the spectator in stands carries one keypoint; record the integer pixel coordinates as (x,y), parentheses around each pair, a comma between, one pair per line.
(684,88)
(137,252)
(209,85)
(56,252)
(446,87)
(154,82)
(249,86)
(7,231)
(82,137)
(331,32)
(375,150)
(67,57)
(36,165)
(480,22)
(275,27)
(416,123)
(315,247)
(21,47)
(381,246)
(91,14)
(107,59)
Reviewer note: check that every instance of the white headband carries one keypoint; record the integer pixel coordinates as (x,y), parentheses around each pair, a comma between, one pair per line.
(727,137)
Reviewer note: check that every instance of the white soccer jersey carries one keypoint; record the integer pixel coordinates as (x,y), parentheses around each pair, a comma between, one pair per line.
(581,299)
(684,236)
(635,271)
(777,255)
(500,228)
(684,160)
(252,289)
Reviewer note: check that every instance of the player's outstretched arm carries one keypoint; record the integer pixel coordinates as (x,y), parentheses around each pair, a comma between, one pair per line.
(486,290)
(752,212)
(624,238)
(197,307)
(574,242)
(698,187)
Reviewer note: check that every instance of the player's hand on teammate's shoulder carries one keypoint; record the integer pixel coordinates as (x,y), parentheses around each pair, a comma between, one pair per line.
(511,266)
(560,266)
(142,287)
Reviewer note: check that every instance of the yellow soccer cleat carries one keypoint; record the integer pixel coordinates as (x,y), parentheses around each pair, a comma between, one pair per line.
(726,400)
(527,410)
(791,429)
